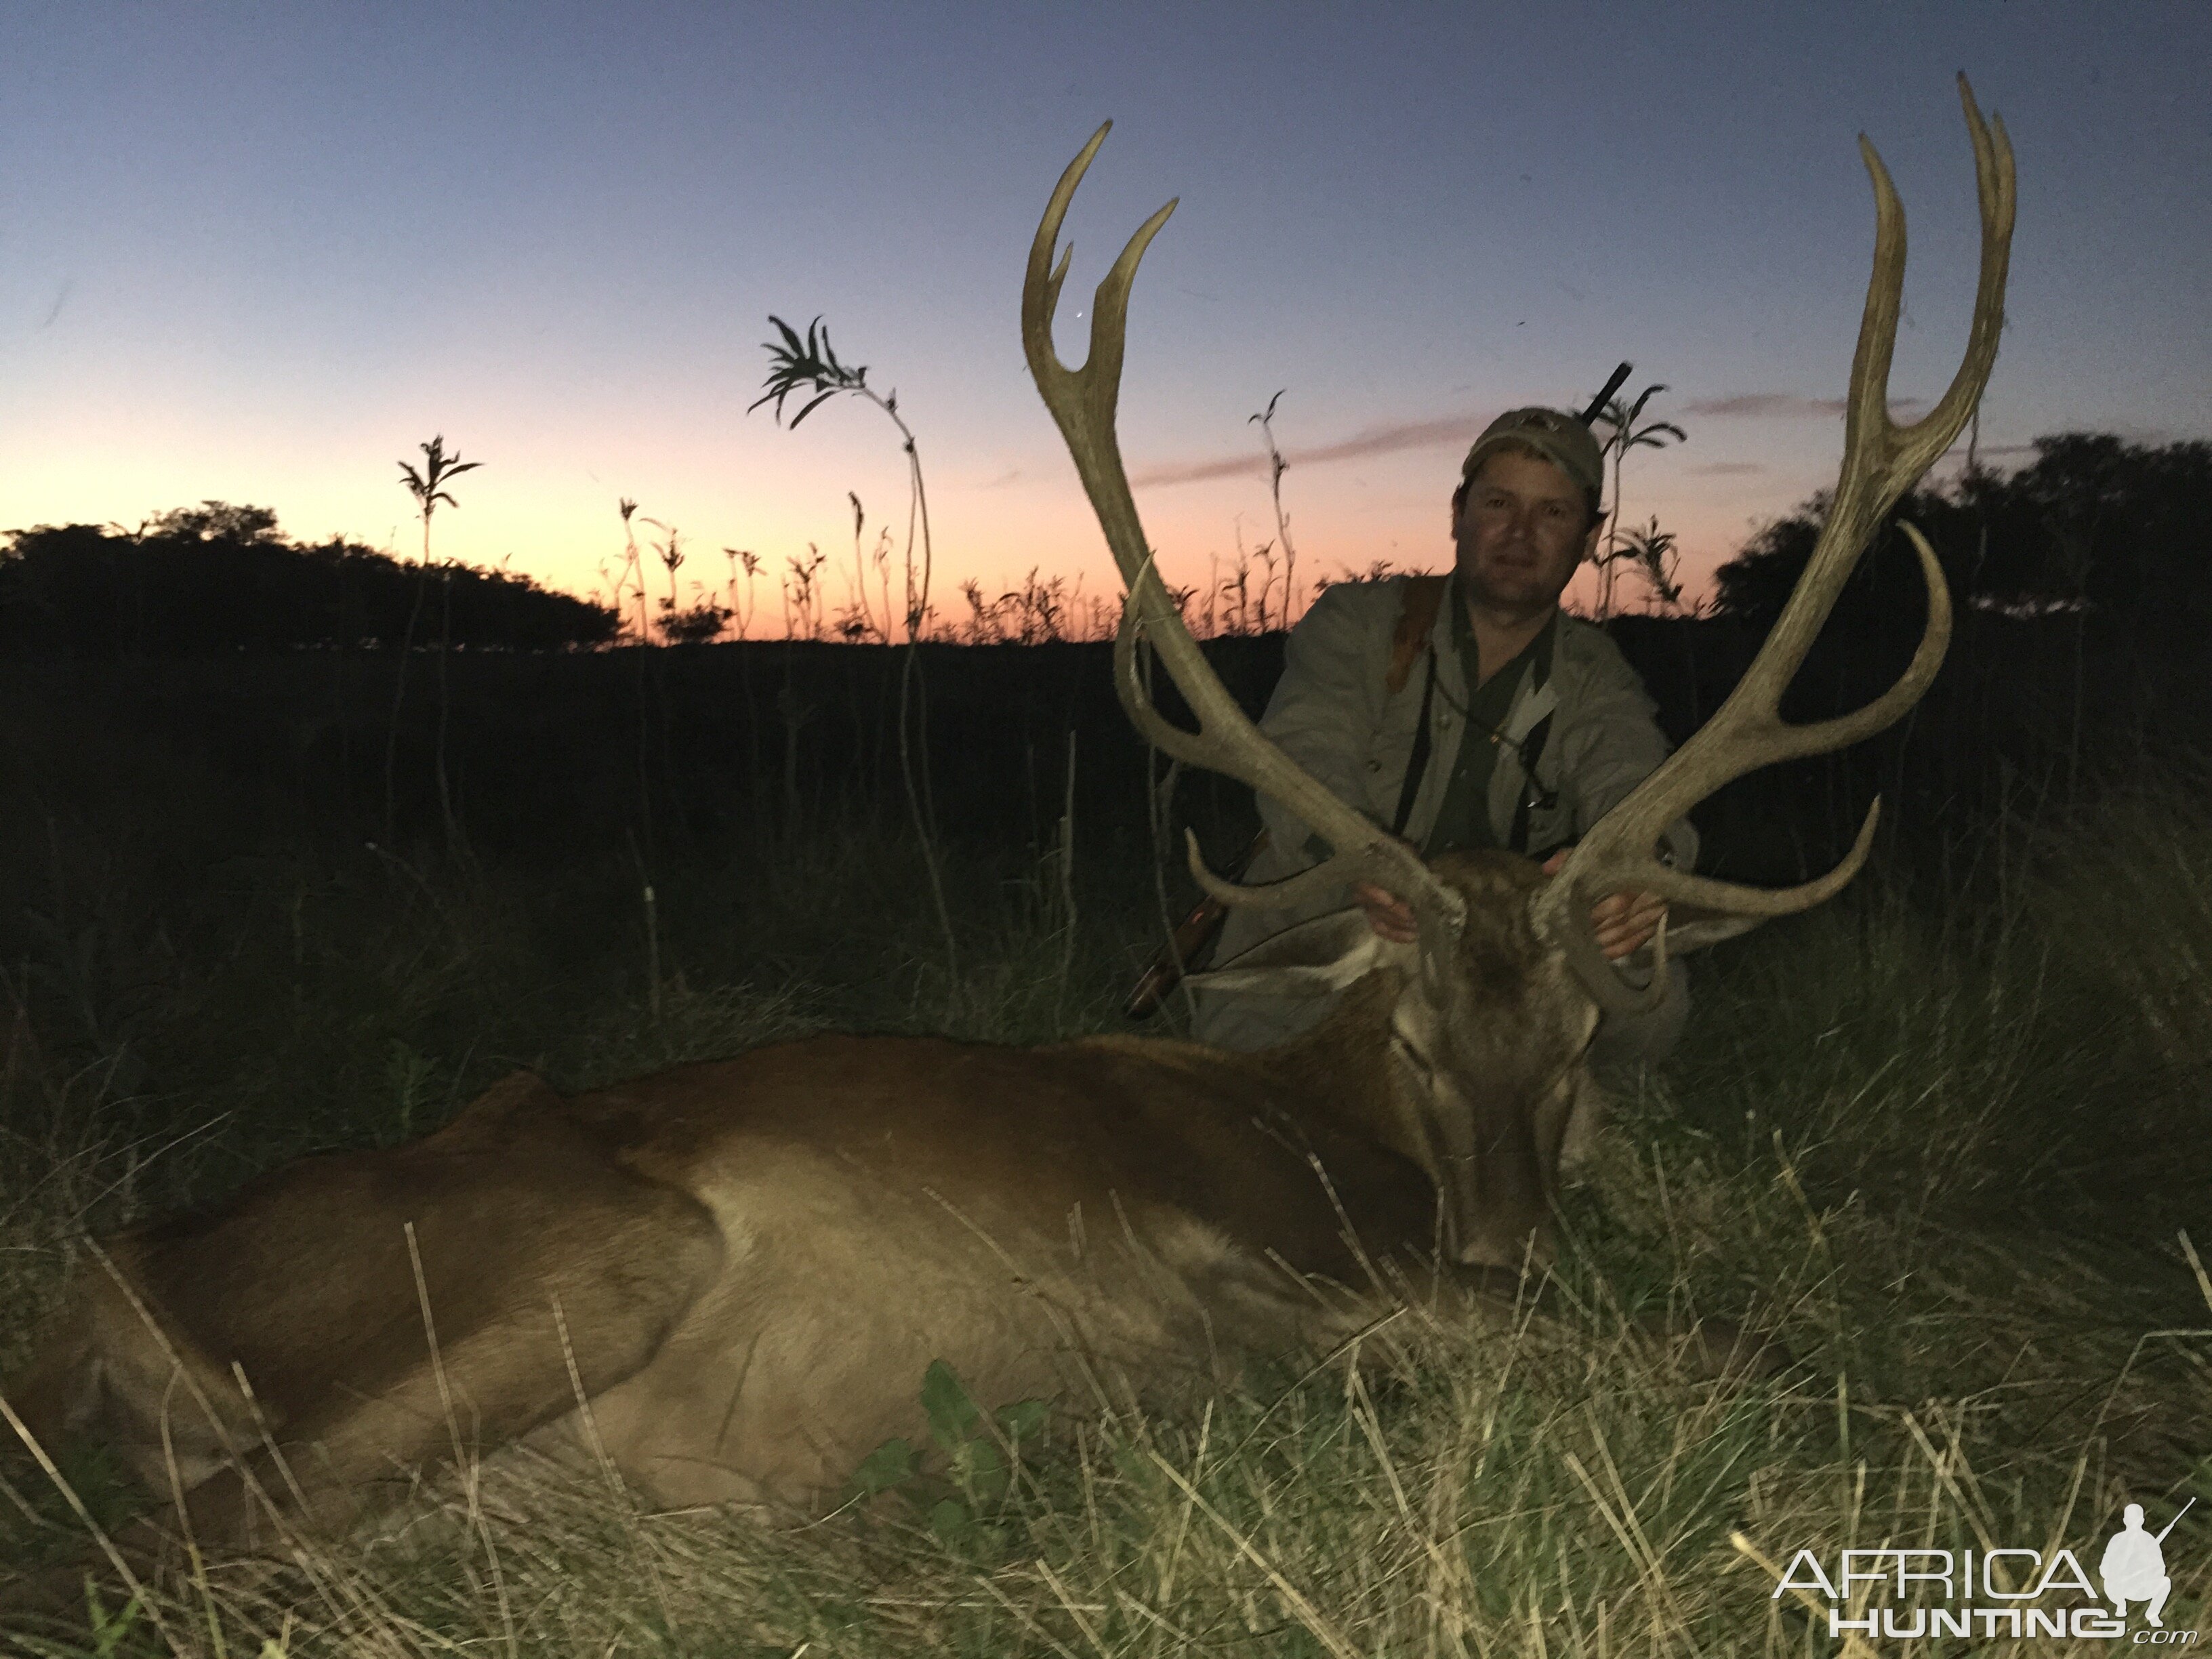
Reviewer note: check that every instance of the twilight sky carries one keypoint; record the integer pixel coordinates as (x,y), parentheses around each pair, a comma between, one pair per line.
(259,253)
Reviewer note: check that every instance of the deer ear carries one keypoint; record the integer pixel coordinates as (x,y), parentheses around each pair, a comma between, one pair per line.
(1310,960)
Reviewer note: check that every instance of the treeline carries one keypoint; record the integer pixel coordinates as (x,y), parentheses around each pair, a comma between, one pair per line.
(217,578)
(2119,534)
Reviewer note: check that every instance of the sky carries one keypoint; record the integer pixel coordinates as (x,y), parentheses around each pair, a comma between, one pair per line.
(260,253)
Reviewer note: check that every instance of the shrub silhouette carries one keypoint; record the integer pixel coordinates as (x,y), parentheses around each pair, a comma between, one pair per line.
(219,578)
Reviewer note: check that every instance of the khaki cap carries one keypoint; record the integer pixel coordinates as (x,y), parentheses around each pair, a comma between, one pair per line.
(1559,437)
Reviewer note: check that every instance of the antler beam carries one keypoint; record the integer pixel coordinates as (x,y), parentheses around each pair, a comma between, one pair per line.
(1083,401)
(1882,461)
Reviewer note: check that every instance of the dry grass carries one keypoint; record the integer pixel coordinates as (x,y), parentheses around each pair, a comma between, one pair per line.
(1943,1158)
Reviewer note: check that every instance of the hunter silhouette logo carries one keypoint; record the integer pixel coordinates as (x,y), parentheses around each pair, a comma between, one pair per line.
(2134,1567)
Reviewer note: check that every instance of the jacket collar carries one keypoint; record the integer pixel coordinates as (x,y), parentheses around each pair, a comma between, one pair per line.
(1536,696)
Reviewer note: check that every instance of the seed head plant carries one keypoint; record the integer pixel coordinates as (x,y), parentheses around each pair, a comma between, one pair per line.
(428,486)
(802,619)
(813,364)
(633,576)
(672,560)
(1650,553)
(1623,416)
(1265,420)
(750,562)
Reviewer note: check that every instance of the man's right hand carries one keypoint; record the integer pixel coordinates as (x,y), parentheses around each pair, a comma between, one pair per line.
(1390,916)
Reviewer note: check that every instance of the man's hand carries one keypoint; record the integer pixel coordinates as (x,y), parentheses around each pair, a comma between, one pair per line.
(1623,922)
(1390,916)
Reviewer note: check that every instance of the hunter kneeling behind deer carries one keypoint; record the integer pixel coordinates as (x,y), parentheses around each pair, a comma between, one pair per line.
(744,1268)
(1465,712)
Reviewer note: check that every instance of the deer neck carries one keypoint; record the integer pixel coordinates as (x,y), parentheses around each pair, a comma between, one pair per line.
(1356,1076)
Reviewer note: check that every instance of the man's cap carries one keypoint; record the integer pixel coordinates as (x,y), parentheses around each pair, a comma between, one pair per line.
(1559,437)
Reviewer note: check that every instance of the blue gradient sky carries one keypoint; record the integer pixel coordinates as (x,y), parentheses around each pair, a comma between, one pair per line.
(259,253)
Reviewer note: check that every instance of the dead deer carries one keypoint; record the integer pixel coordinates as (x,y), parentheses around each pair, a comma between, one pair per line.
(731,1276)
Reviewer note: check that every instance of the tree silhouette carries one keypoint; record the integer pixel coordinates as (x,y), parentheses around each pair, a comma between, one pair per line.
(2094,522)
(213,521)
(2119,526)
(699,624)
(1883,594)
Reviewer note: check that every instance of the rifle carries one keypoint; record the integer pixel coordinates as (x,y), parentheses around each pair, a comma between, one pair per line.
(1597,404)
(2176,1522)
(1187,941)
(1196,932)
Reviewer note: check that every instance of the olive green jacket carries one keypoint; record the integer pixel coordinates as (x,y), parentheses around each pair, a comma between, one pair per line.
(1334,713)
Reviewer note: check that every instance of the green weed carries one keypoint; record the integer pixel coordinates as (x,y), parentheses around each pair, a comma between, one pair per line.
(964,1502)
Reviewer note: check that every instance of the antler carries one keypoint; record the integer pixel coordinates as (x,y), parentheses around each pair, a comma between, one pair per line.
(1083,402)
(1882,461)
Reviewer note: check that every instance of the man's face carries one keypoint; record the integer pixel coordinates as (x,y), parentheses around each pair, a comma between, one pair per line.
(1520,533)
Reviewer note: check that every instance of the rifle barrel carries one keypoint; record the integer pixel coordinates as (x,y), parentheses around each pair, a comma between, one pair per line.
(1597,404)
(2176,1522)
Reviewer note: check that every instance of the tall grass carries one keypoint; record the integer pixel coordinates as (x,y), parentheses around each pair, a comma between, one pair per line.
(427,487)
(1952,1157)
(813,364)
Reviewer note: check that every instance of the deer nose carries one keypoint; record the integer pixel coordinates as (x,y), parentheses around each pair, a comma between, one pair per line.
(1504,1249)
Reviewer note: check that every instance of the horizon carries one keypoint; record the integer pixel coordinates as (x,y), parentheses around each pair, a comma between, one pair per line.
(1271,598)
(262,254)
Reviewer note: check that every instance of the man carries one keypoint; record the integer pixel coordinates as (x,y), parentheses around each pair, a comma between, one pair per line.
(1468,714)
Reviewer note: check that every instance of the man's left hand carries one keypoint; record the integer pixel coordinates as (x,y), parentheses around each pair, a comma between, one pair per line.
(1623,922)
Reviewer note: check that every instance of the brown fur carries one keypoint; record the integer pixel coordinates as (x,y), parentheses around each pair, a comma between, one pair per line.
(754,1261)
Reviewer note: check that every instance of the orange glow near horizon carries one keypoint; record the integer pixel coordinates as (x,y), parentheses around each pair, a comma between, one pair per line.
(772,492)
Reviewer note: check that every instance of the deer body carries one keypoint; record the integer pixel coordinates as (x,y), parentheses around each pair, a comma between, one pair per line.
(750,1263)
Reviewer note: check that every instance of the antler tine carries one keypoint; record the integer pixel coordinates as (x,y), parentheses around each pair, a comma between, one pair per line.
(1394,866)
(1882,461)
(1931,434)
(1083,402)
